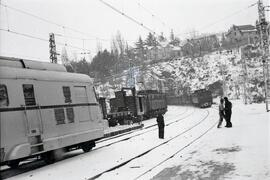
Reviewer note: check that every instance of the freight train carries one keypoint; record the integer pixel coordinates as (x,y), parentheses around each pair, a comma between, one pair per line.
(44,109)
(130,106)
(202,98)
(199,98)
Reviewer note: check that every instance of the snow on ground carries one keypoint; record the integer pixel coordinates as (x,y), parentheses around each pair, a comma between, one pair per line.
(242,152)
(138,166)
(89,164)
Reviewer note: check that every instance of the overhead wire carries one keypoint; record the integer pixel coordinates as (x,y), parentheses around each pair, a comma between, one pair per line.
(46,20)
(153,15)
(222,19)
(127,16)
(226,17)
(83,39)
(73,29)
(41,39)
(64,27)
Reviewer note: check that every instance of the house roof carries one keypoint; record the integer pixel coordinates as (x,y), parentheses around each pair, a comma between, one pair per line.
(246,27)
(242,28)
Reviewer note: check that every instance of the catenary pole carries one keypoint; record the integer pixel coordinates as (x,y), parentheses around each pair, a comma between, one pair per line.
(264,43)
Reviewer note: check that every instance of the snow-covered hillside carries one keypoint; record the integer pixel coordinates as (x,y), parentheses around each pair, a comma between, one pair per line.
(189,74)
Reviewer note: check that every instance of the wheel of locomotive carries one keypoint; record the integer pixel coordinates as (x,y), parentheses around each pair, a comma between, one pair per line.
(86,147)
(13,164)
(112,122)
(49,157)
(121,121)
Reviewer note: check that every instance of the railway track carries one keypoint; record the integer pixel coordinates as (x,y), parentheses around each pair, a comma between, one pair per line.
(157,146)
(174,154)
(38,163)
(153,129)
(177,152)
(146,127)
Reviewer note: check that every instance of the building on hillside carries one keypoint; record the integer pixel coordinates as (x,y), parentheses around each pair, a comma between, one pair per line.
(140,53)
(242,35)
(200,45)
(163,51)
(188,48)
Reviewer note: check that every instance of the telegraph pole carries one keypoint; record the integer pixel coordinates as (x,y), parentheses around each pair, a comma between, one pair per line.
(53,53)
(265,49)
(245,55)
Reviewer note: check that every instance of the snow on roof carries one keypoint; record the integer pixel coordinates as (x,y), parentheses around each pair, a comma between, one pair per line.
(246,27)
(176,48)
(254,30)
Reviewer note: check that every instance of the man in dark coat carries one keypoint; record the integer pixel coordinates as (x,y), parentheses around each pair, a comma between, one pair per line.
(228,112)
(161,125)
(221,112)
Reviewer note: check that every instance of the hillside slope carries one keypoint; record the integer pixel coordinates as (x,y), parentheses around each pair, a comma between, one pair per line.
(188,74)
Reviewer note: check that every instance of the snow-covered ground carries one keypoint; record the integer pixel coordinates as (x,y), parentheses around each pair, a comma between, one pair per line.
(193,148)
(242,152)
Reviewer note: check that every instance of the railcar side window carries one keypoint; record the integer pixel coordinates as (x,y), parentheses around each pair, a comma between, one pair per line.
(67,94)
(3,96)
(70,114)
(29,95)
(59,116)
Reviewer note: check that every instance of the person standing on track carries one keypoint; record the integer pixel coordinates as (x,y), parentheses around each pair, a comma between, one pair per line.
(161,125)
(221,112)
(228,112)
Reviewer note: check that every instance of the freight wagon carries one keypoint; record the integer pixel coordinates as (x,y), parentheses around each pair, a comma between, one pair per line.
(202,98)
(154,102)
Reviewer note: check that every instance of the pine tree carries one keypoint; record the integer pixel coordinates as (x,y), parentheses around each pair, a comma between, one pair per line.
(140,50)
(161,37)
(150,39)
(139,44)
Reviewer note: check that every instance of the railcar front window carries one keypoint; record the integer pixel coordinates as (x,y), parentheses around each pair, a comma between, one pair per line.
(95,93)
(3,96)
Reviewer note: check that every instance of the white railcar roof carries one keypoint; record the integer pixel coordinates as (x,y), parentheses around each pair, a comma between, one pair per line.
(29,64)
(14,69)
(16,73)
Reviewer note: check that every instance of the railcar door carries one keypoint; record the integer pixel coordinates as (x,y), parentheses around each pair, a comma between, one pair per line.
(32,113)
(81,98)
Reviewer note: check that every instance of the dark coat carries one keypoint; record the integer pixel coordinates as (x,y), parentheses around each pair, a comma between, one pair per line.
(160,121)
(228,107)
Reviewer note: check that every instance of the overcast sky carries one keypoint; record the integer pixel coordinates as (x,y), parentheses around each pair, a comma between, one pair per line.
(99,23)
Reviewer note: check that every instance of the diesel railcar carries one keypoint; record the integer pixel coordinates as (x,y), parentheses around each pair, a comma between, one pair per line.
(44,109)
